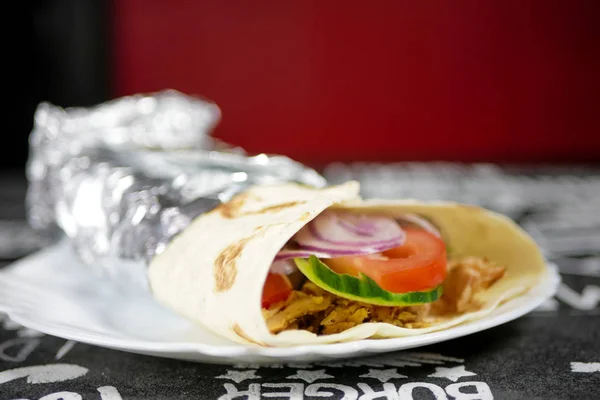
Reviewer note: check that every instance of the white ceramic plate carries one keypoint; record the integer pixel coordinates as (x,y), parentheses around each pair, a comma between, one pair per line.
(52,292)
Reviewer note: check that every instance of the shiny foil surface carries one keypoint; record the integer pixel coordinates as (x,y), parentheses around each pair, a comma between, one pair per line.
(121,179)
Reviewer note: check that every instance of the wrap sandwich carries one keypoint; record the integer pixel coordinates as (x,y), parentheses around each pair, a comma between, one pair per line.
(287,265)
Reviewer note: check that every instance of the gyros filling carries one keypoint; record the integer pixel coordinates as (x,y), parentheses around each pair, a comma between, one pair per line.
(345,269)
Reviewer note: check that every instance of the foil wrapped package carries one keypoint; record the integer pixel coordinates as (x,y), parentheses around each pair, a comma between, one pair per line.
(121,179)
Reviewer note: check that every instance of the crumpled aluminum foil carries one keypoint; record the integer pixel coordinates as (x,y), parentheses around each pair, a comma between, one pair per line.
(121,179)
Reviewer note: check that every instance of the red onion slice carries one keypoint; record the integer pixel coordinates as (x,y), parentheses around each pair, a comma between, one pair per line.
(421,223)
(286,254)
(340,230)
(283,267)
(336,234)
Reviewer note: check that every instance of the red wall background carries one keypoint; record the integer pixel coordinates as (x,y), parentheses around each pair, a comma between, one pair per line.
(384,80)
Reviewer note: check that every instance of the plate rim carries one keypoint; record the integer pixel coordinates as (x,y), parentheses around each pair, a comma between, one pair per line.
(538,294)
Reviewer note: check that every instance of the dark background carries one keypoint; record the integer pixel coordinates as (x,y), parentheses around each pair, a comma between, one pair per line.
(59,52)
(501,81)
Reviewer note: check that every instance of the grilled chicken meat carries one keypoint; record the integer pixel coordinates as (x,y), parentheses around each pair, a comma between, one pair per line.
(316,310)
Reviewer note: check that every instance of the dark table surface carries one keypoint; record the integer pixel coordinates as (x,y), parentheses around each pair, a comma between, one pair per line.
(552,353)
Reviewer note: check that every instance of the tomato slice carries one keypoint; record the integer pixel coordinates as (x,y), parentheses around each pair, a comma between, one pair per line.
(419,264)
(277,288)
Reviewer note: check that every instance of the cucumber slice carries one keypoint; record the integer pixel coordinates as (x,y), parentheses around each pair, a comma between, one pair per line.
(363,289)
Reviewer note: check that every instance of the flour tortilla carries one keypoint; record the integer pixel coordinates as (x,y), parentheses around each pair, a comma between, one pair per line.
(213,272)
